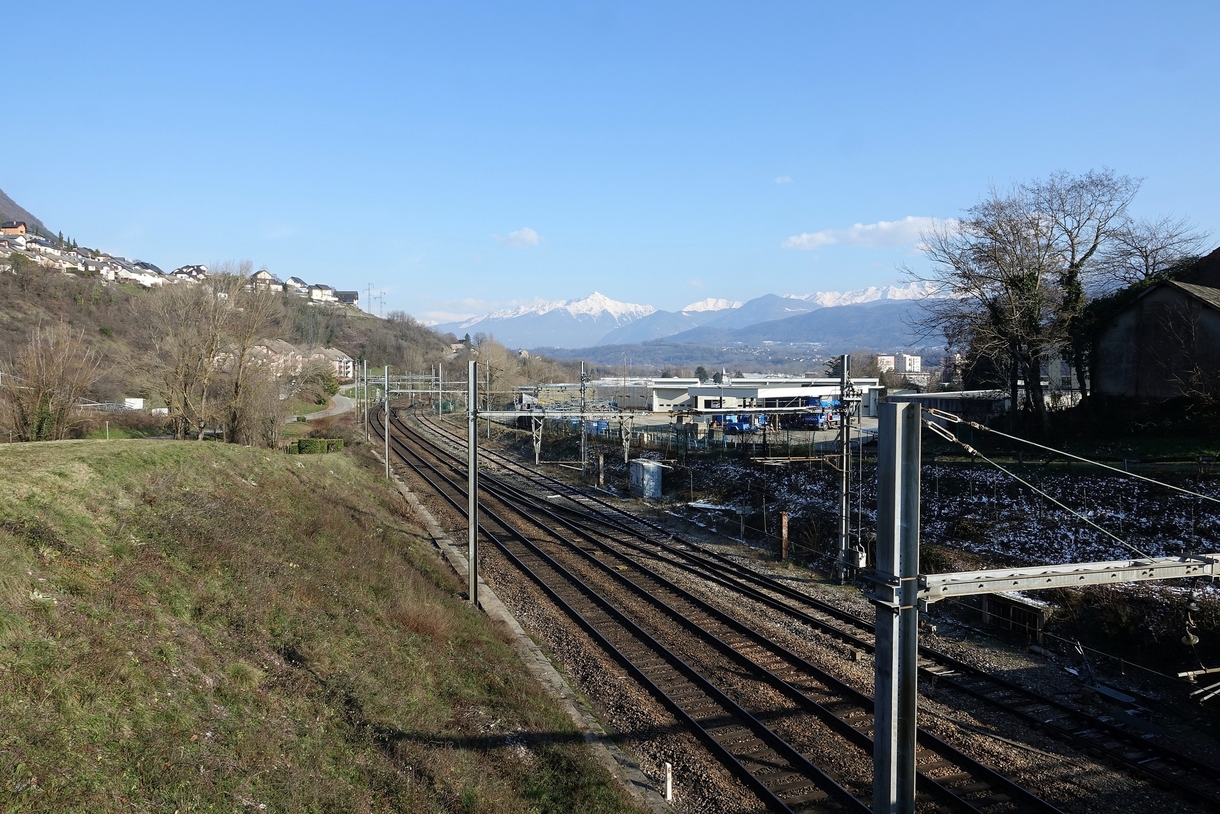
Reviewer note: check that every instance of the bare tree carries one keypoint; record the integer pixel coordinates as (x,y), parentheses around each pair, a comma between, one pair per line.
(1086,212)
(1019,269)
(44,380)
(1181,354)
(255,313)
(1147,249)
(264,408)
(997,271)
(186,329)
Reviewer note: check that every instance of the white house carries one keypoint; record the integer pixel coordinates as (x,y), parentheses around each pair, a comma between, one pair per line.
(147,279)
(322,293)
(343,365)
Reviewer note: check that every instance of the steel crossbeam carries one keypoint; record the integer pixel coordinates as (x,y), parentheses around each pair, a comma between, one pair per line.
(900,592)
(933,587)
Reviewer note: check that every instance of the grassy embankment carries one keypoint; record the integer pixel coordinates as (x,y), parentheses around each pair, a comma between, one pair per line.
(204,627)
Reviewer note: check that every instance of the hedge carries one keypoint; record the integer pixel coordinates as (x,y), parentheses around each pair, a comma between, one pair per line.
(315,446)
(311,446)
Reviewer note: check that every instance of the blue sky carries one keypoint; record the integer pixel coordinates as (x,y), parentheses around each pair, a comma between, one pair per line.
(467,156)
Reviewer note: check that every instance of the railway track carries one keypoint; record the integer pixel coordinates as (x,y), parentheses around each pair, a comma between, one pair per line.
(800,698)
(1119,740)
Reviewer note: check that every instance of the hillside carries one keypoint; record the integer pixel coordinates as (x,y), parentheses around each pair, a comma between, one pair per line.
(109,316)
(882,325)
(11,210)
(206,627)
(645,358)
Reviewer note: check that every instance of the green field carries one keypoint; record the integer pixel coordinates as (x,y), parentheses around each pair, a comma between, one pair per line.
(205,627)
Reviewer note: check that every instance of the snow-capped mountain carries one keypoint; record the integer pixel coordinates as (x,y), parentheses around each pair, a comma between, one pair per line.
(710,304)
(570,323)
(916,290)
(597,320)
(595,305)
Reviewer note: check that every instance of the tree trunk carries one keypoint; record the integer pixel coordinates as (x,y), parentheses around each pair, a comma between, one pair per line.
(1014,398)
(1033,391)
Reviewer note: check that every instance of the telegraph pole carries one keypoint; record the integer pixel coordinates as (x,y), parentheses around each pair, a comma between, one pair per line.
(472,482)
(440,390)
(364,380)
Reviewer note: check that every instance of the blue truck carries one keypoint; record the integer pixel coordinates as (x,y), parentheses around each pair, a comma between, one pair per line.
(742,424)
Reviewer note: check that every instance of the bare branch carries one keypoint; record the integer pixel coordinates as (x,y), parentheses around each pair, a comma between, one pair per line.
(1149,248)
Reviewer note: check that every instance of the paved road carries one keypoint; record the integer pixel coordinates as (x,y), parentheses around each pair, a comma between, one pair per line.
(338,404)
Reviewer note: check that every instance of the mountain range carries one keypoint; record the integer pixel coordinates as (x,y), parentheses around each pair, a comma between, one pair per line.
(875,318)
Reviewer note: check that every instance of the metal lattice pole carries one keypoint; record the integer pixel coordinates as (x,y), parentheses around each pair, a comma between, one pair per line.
(583,426)
(843,566)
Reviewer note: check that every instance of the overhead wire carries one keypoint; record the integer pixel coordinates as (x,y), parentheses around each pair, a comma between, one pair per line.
(948,436)
(958,420)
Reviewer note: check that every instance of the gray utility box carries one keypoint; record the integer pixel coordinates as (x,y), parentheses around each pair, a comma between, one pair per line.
(645,478)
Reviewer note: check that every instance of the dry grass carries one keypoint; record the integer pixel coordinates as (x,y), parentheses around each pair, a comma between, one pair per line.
(203,627)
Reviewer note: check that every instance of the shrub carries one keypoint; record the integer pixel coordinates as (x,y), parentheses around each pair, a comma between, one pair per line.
(311,446)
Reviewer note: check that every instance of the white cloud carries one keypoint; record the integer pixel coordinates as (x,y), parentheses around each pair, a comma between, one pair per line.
(696,283)
(903,232)
(811,240)
(784,179)
(523,238)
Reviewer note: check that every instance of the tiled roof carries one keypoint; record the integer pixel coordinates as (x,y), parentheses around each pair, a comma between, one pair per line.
(1209,295)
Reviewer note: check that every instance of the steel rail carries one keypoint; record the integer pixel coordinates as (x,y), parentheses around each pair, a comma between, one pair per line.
(1095,735)
(842,707)
(779,773)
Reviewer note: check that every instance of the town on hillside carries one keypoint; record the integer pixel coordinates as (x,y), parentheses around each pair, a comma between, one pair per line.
(277,356)
(57,254)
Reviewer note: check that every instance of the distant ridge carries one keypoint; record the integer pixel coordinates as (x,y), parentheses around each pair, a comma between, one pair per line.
(579,322)
(11,210)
